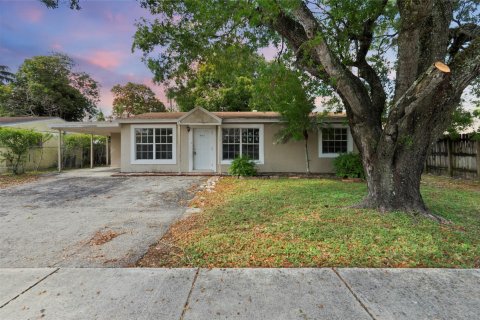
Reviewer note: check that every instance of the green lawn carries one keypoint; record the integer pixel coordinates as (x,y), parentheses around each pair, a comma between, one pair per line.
(307,223)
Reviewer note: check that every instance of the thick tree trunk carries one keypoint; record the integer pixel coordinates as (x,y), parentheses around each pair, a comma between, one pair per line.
(394,185)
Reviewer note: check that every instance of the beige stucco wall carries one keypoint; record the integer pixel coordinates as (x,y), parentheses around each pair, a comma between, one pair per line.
(115,150)
(289,157)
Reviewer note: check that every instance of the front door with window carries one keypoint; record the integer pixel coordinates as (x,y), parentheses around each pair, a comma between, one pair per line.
(204,149)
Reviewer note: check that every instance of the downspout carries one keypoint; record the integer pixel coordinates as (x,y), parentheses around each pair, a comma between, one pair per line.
(219,145)
(179,148)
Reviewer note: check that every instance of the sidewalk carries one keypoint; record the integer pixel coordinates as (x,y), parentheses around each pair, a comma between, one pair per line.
(239,294)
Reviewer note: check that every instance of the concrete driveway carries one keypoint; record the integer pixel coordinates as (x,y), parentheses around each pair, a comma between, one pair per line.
(87,218)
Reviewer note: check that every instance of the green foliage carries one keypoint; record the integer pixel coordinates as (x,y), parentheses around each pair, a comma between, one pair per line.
(283,90)
(185,33)
(349,165)
(100,116)
(17,143)
(222,81)
(53,4)
(242,167)
(48,86)
(81,141)
(134,98)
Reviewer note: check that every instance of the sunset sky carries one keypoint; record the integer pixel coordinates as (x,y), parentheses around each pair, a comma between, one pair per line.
(98,38)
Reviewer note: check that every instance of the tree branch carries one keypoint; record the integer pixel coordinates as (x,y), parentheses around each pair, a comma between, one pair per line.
(412,19)
(466,66)
(348,86)
(367,72)
(460,36)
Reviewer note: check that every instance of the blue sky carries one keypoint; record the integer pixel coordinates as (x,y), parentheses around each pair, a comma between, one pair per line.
(98,38)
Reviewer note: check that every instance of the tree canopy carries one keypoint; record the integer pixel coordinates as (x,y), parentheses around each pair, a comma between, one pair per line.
(399,68)
(48,86)
(134,98)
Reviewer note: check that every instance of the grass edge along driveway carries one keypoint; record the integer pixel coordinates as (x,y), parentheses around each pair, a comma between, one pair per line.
(307,223)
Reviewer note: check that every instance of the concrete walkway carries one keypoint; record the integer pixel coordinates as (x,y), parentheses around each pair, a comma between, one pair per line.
(64,293)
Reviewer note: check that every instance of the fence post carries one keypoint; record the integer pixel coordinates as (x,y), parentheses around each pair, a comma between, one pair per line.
(450,157)
(91,151)
(59,155)
(478,159)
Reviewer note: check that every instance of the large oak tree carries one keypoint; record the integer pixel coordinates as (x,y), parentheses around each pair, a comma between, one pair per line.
(398,67)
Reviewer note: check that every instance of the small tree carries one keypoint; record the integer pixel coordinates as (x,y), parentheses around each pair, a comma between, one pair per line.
(17,143)
(285,91)
(44,139)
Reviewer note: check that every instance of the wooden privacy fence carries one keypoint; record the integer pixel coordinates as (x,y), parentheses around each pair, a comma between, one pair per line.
(455,157)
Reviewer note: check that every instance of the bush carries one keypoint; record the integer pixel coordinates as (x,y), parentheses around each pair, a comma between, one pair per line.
(242,166)
(17,143)
(349,165)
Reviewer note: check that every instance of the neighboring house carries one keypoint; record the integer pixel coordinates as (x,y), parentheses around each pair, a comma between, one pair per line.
(40,124)
(203,141)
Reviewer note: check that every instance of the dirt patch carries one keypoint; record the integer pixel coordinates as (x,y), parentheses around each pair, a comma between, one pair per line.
(7,181)
(165,253)
(102,237)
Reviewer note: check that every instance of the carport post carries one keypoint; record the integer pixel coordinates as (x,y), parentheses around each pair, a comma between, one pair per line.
(107,153)
(59,159)
(91,151)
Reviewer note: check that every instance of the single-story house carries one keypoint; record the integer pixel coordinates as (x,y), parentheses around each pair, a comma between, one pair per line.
(200,141)
(43,156)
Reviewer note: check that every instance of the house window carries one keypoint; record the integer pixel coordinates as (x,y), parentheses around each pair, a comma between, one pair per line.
(154,145)
(333,141)
(245,141)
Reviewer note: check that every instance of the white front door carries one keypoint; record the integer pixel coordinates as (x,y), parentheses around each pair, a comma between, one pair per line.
(204,149)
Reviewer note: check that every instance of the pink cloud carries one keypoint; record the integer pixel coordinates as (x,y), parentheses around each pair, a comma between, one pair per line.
(158,89)
(56,46)
(105,59)
(31,14)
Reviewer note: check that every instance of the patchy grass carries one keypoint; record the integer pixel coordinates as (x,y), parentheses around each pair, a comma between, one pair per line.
(306,223)
(8,180)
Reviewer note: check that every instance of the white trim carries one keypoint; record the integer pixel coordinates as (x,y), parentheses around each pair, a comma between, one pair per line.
(153,161)
(261,150)
(334,155)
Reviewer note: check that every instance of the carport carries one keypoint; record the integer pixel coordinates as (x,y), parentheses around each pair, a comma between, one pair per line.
(111,130)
